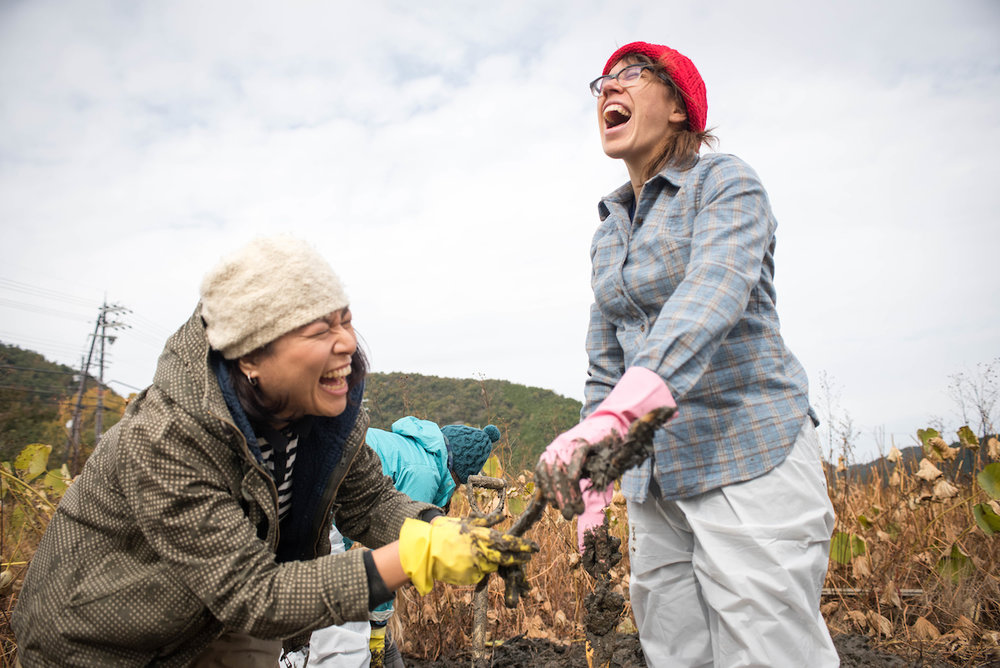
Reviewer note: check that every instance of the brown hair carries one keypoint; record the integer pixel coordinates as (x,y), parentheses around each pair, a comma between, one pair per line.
(680,147)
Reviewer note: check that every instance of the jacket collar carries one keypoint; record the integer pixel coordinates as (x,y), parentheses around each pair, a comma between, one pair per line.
(198,381)
(239,416)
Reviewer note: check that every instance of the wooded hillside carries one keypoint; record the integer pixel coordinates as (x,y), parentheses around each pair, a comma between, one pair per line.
(37,398)
(528,417)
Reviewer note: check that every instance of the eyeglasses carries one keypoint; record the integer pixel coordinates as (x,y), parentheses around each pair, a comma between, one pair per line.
(628,76)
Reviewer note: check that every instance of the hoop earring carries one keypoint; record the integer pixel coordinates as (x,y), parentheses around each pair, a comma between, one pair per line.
(252,380)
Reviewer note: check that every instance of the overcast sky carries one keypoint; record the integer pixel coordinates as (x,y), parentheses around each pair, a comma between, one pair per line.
(445,157)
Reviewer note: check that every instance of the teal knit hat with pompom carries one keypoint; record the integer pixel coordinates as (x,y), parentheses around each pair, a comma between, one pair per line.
(469,448)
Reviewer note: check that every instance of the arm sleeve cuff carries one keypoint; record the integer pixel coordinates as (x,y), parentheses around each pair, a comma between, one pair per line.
(378,593)
(427,514)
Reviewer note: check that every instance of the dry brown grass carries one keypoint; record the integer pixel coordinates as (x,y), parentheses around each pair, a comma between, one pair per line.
(25,510)
(895,592)
(441,622)
(928,577)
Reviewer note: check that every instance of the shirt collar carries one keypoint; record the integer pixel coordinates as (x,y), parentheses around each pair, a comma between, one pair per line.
(675,176)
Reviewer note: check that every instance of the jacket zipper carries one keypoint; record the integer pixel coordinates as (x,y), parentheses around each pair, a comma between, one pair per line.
(262,471)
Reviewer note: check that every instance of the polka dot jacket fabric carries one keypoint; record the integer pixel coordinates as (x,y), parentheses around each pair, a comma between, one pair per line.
(169,535)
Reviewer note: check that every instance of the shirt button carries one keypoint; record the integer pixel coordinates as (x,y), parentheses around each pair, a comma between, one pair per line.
(642,328)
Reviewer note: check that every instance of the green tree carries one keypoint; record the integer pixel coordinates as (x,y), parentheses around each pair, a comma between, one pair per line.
(37,399)
(528,417)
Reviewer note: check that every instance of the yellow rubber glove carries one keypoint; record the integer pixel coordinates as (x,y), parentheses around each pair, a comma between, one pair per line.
(456,551)
(376,645)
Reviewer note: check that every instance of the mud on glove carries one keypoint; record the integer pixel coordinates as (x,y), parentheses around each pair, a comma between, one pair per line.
(594,503)
(637,392)
(376,646)
(456,551)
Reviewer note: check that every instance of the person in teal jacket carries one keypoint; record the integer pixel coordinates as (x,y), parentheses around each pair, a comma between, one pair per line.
(427,463)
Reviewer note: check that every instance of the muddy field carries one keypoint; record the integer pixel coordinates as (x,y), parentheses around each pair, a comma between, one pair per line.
(604,610)
(855,651)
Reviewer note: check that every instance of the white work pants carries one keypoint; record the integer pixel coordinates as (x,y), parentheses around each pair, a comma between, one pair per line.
(343,646)
(733,577)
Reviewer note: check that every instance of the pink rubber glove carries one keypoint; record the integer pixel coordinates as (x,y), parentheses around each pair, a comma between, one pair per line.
(594,503)
(638,391)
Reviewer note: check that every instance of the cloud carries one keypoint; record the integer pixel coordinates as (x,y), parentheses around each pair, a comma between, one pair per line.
(445,159)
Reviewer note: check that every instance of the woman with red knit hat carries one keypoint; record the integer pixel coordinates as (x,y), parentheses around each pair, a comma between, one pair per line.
(730,520)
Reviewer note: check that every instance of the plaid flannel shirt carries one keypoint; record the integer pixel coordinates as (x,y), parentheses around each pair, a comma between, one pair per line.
(685,287)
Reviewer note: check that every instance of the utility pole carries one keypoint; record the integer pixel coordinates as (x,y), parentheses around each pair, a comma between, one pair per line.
(73,444)
(105,325)
(72,454)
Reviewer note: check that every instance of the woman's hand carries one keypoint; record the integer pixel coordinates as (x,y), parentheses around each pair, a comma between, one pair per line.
(558,471)
(456,551)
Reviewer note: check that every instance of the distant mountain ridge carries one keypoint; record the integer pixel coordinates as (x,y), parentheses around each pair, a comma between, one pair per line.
(36,396)
(528,417)
(963,467)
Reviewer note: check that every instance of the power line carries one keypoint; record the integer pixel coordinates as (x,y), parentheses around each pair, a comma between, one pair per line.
(35,308)
(34,290)
(148,333)
(160,332)
(86,404)
(52,396)
(154,336)
(37,340)
(148,339)
(34,344)
(39,390)
(58,402)
(131,387)
(71,372)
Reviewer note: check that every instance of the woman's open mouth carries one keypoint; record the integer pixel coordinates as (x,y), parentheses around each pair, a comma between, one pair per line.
(615,115)
(335,381)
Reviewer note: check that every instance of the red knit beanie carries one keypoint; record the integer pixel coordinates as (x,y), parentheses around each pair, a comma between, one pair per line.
(681,70)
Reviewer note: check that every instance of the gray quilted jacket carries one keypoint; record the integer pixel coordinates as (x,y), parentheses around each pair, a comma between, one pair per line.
(170,534)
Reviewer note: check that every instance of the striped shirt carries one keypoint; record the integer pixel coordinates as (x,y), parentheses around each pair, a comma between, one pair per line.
(277,448)
(684,286)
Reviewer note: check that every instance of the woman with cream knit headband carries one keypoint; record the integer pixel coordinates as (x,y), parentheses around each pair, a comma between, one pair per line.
(730,520)
(198,532)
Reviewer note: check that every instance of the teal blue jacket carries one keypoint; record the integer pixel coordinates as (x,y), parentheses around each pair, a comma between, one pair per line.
(415,456)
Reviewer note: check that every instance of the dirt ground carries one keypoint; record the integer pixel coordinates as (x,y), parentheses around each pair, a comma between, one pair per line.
(604,608)
(855,651)
(616,650)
